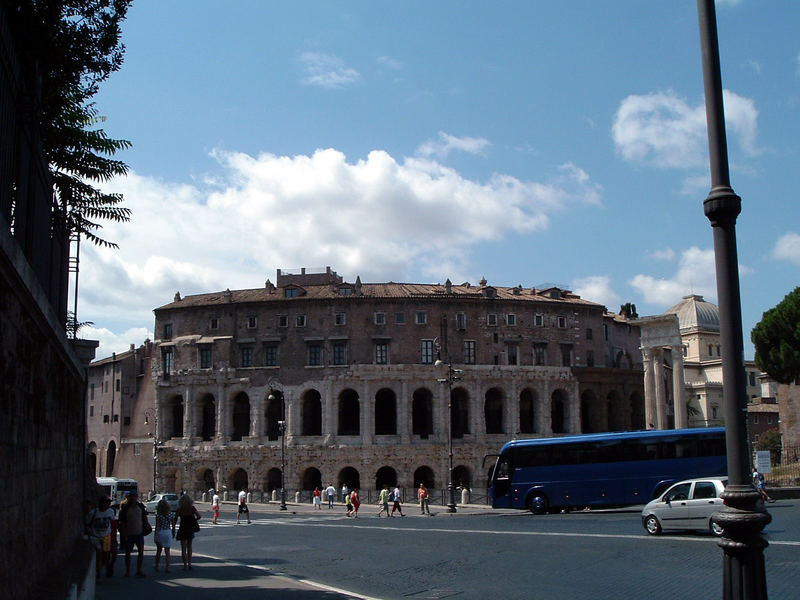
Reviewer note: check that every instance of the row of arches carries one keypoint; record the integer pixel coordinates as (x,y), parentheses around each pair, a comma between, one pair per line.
(110,459)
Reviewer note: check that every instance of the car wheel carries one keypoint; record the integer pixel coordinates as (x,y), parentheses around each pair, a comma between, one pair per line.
(652,525)
(715,528)
(537,504)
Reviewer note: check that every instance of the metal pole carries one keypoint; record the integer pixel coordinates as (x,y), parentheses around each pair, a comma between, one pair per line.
(744,516)
(451,507)
(283,450)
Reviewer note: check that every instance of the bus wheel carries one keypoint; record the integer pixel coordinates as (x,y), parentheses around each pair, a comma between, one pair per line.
(715,528)
(537,504)
(652,525)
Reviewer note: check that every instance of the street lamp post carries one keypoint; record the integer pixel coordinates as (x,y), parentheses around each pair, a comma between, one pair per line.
(276,388)
(744,515)
(452,375)
(148,414)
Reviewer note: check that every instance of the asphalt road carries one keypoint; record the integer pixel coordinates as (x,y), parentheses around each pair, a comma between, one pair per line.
(493,554)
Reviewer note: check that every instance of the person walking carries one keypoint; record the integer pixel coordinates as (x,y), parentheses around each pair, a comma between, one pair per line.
(354,500)
(348,505)
(424,500)
(345,493)
(163,537)
(187,518)
(330,491)
(316,499)
(132,525)
(242,506)
(383,500)
(397,502)
(215,506)
(99,526)
(758,482)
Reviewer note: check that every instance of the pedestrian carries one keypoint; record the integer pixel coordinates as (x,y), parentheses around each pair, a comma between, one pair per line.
(215,506)
(345,493)
(99,526)
(187,519)
(397,502)
(316,499)
(354,500)
(163,537)
(242,506)
(330,491)
(132,525)
(348,505)
(759,483)
(112,559)
(383,501)
(424,500)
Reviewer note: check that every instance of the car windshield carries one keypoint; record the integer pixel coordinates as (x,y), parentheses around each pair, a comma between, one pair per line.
(171,497)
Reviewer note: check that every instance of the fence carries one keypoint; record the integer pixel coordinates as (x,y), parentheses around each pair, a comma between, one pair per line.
(438,496)
(785,468)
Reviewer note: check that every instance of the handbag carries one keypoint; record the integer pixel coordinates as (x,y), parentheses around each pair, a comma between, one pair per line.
(195,524)
(147,529)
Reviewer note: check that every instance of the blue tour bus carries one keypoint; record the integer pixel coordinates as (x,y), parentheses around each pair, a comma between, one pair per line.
(603,469)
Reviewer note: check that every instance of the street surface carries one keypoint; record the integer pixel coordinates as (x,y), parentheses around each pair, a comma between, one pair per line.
(481,553)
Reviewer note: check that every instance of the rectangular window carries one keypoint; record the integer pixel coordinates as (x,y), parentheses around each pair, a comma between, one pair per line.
(461,321)
(339,319)
(605,332)
(166,361)
(314,355)
(512,350)
(769,419)
(345,291)
(167,331)
(283,320)
(511,319)
(538,320)
(421,317)
(105,386)
(381,353)
(137,449)
(300,321)
(755,419)
(117,385)
(247,357)
(400,318)
(252,322)
(380,318)
(91,391)
(270,355)
(566,355)
(491,319)
(589,333)
(539,354)
(126,421)
(710,350)
(291,293)
(469,352)
(562,322)
(205,357)
(91,410)
(590,358)
(752,376)
(116,418)
(427,352)
(105,418)
(339,353)
(213,323)
(713,412)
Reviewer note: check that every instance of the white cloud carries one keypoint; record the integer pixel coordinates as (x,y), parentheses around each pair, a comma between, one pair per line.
(754,65)
(695,275)
(663,254)
(446,142)
(597,288)
(377,217)
(788,248)
(111,342)
(664,130)
(327,71)
(389,63)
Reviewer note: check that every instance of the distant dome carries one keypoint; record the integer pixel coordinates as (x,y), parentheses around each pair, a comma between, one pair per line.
(693,311)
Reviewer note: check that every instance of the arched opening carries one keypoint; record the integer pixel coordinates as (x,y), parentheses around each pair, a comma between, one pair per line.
(349,413)
(422,413)
(349,476)
(527,406)
(312,413)
(493,410)
(459,412)
(617,419)
(173,427)
(273,481)
(559,411)
(312,478)
(462,477)
(637,411)
(424,475)
(385,476)
(111,455)
(239,480)
(93,458)
(274,414)
(209,426)
(591,417)
(241,417)
(172,481)
(385,412)
(207,480)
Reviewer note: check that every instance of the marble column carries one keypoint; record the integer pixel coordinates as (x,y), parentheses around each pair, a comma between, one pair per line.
(187,413)
(679,388)
(257,417)
(367,410)
(404,414)
(328,413)
(222,428)
(661,400)
(478,425)
(650,417)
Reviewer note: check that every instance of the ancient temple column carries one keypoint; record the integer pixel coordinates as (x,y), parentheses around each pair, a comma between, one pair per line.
(257,417)
(367,410)
(649,389)
(222,425)
(328,412)
(661,402)
(679,388)
(404,413)
(511,410)
(575,409)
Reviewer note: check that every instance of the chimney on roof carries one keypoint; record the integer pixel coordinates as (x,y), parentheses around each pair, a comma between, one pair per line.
(448,286)
(483,281)
(227,295)
(177,297)
(133,347)
(269,286)
(358,284)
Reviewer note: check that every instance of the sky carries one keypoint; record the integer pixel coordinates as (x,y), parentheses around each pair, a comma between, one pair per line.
(527,142)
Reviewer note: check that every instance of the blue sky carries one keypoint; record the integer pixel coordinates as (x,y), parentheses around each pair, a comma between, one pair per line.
(527,142)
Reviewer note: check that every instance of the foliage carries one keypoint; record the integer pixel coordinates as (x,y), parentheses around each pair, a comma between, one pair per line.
(628,310)
(691,409)
(771,440)
(777,339)
(74,326)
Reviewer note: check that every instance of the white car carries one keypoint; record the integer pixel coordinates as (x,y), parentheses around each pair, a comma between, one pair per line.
(172,500)
(687,504)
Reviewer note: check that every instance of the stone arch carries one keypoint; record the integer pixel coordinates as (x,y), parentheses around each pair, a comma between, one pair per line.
(241,417)
(349,417)
(350,476)
(273,480)
(385,476)
(312,413)
(422,413)
(385,412)
(462,477)
(559,411)
(424,474)
(111,456)
(591,409)
(92,450)
(239,480)
(493,410)
(637,411)
(617,418)
(459,412)
(312,478)
(173,410)
(527,411)
(208,427)
(172,480)
(205,479)
(274,414)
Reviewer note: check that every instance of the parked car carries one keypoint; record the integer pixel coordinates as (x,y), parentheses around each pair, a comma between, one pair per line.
(688,504)
(172,500)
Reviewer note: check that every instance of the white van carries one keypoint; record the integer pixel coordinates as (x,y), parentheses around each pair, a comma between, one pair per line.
(115,488)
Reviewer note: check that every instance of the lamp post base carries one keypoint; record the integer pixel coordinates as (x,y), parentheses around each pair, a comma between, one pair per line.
(283,499)
(451,493)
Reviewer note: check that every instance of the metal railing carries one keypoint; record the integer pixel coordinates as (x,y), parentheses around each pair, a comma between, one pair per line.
(785,471)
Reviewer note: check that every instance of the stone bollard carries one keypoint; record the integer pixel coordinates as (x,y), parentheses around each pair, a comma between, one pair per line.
(297,497)
(274,495)
(465,496)
(205,496)
(225,495)
(249,497)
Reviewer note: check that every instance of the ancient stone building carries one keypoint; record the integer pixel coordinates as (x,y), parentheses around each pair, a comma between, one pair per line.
(350,367)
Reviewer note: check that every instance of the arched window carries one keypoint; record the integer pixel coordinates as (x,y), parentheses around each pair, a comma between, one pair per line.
(349,423)
(311,479)
(462,477)
(385,476)
(424,475)
(459,412)
(558,411)
(207,480)
(273,479)
(209,426)
(239,480)
(111,455)
(241,417)
(493,410)
(274,414)
(93,458)
(422,413)
(349,476)
(312,413)
(385,412)
(174,412)
(527,408)
(591,418)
